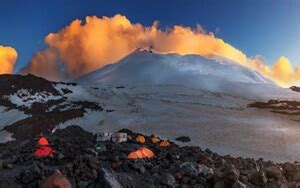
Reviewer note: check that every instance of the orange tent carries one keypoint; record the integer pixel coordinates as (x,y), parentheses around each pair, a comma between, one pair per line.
(140,139)
(155,140)
(164,143)
(43,141)
(141,153)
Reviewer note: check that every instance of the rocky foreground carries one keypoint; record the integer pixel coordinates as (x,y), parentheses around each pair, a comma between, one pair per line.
(85,165)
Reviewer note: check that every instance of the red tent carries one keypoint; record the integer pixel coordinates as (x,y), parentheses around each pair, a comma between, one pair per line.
(43,151)
(44,148)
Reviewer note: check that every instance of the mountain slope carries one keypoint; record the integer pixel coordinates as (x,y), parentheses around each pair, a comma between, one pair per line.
(144,67)
(30,105)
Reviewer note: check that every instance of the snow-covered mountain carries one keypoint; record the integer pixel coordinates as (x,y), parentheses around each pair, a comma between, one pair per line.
(145,67)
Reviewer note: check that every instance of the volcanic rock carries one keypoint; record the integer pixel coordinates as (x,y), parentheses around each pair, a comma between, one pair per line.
(108,179)
(232,175)
(168,179)
(183,139)
(173,166)
(274,172)
(189,169)
(258,178)
(238,184)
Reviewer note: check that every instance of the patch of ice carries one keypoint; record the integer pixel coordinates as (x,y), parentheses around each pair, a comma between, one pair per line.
(64,106)
(90,122)
(24,98)
(10,117)
(79,93)
(6,136)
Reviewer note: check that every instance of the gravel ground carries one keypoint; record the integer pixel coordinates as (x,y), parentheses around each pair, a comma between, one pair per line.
(83,165)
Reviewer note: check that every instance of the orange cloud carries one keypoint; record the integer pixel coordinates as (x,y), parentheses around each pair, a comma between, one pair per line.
(82,47)
(8,57)
(45,64)
(282,70)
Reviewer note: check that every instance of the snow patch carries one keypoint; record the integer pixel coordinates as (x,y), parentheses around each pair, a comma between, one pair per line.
(23,97)
(78,92)
(90,122)
(11,116)
(6,136)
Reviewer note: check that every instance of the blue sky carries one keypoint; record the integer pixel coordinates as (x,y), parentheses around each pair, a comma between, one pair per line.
(256,27)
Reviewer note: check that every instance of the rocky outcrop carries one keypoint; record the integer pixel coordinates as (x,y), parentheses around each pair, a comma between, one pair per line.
(45,103)
(279,106)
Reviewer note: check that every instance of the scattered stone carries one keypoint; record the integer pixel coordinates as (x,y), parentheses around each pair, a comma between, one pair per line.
(7,166)
(108,179)
(203,158)
(238,184)
(205,171)
(274,172)
(168,179)
(258,178)
(295,88)
(220,184)
(199,186)
(290,170)
(183,139)
(287,107)
(110,110)
(277,184)
(9,183)
(178,176)
(189,169)
(82,184)
(139,166)
(115,165)
(60,156)
(218,175)
(232,175)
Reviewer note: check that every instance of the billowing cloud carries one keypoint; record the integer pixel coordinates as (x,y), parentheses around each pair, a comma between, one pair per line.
(45,64)
(282,70)
(82,47)
(8,57)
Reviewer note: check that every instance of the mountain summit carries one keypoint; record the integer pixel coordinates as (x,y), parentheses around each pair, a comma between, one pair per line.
(145,67)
